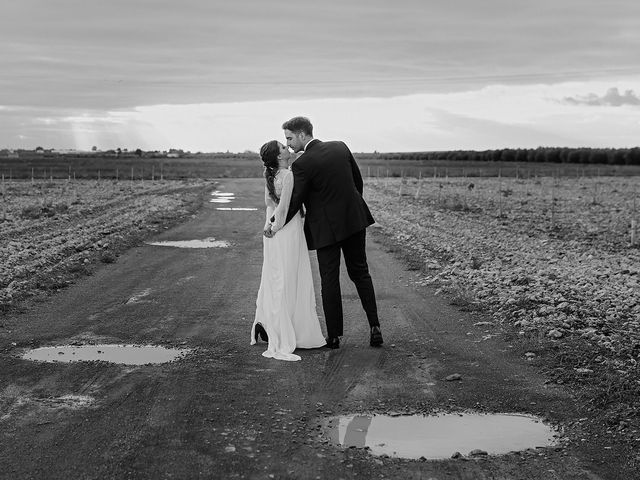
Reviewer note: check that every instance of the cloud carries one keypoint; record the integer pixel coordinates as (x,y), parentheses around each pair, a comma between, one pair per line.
(610,99)
(498,116)
(467,132)
(126,53)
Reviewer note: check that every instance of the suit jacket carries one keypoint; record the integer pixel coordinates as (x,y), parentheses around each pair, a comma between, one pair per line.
(328,182)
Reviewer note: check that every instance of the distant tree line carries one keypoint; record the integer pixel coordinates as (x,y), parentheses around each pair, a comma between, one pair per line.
(610,156)
(606,156)
(120,153)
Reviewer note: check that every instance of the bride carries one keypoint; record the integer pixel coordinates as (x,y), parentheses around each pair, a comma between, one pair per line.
(286,315)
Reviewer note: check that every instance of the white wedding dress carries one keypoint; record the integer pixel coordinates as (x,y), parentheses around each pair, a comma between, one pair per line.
(286,303)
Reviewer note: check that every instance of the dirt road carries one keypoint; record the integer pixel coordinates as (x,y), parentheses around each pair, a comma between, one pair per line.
(224,411)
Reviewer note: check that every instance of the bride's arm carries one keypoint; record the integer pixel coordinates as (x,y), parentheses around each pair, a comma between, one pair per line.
(283,206)
(271,206)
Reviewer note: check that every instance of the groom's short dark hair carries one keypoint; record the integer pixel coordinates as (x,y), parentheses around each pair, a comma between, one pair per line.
(299,124)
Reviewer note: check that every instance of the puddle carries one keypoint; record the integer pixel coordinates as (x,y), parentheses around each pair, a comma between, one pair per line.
(222,197)
(183,280)
(114,353)
(205,243)
(137,298)
(438,437)
(238,209)
(67,401)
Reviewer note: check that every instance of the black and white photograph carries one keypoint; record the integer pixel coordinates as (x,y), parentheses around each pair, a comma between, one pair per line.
(320,240)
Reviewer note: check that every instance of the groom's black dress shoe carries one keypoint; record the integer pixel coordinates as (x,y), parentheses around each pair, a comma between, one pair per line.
(260,331)
(333,342)
(376,337)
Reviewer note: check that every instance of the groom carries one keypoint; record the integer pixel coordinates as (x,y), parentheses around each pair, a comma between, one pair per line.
(329,184)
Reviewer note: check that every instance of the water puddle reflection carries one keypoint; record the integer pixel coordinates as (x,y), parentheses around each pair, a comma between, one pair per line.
(222,197)
(67,401)
(205,243)
(238,209)
(114,353)
(440,436)
(137,298)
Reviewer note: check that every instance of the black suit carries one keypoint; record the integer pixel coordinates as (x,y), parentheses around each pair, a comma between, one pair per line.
(328,182)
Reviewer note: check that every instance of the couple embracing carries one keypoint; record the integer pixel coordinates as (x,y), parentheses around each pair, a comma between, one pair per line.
(312,203)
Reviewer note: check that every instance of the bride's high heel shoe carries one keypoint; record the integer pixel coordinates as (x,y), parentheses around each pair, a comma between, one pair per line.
(260,331)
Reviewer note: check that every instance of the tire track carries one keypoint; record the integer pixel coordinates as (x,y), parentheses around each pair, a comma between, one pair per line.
(346,368)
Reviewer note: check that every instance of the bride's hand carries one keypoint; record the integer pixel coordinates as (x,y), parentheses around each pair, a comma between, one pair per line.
(268,233)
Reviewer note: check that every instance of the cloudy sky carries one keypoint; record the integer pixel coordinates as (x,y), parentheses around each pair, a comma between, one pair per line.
(402,75)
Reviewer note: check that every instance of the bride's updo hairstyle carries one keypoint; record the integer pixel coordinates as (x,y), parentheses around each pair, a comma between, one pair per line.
(269,153)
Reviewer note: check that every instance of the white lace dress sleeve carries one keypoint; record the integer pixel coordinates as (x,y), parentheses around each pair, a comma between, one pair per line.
(271,207)
(285,198)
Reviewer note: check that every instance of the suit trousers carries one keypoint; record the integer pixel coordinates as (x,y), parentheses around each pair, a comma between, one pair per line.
(355,259)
